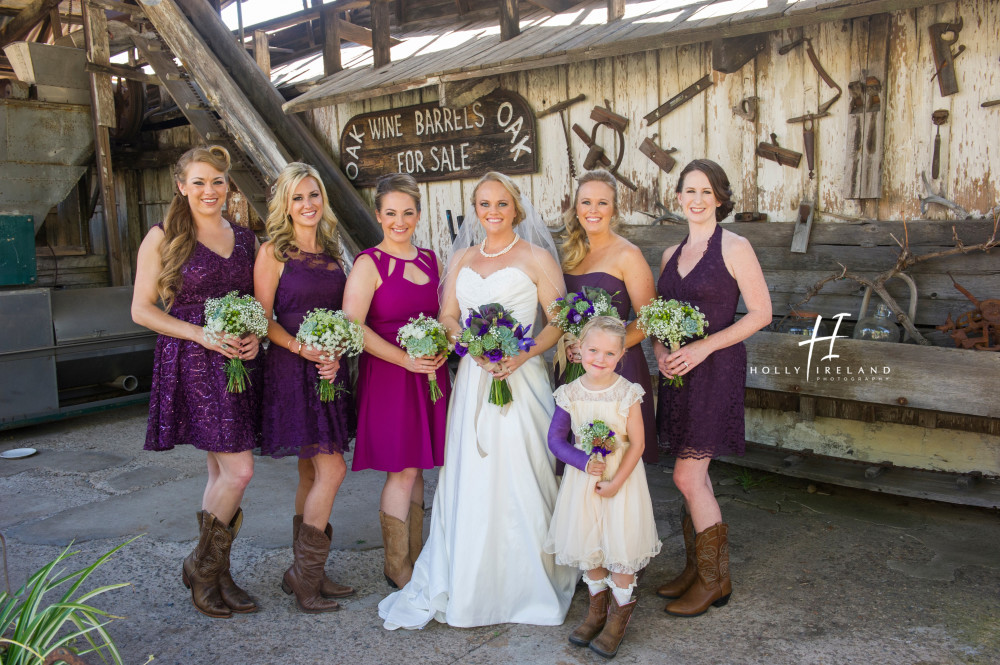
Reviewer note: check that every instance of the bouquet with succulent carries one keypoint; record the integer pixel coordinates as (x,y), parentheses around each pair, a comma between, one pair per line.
(493,332)
(335,335)
(670,321)
(424,336)
(237,315)
(571,313)
(597,439)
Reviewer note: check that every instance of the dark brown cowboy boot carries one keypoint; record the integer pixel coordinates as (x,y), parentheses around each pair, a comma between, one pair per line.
(680,584)
(606,644)
(327,587)
(201,569)
(594,622)
(303,578)
(236,598)
(395,539)
(712,585)
(416,520)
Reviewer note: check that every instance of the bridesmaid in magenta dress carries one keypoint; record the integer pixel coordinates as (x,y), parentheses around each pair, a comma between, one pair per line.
(594,255)
(297,270)
(703,419)
(400,431)
(194,255)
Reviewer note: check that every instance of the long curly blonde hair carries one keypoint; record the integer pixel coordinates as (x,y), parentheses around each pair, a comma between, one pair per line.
(575,244)
(279,219)
(180,235)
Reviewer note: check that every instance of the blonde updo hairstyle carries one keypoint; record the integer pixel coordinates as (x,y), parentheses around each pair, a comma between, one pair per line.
(605,324)
(279,219)
(512,189)
(575,243)
(180,235)
(401,183)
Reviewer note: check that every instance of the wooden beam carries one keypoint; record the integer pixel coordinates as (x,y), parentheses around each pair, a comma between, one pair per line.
(56,24)
(400,11)
(463,93)
(359,34)
(380,32)
(462,6)
(331,42)
(18,27)
(554,6)
(510,21)
(121,71)
(132,10)
(301,16)
(616,10)
(261,52)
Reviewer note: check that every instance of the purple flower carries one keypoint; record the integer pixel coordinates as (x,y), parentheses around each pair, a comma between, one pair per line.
(460,350)
(574,316)
(495,356)
(525,343)
(468,319)
(600,450)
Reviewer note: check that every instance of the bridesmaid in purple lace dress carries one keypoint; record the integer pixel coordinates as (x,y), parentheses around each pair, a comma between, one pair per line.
(594,255)
(703,419)
(196,254)
(297,270)
(400,431)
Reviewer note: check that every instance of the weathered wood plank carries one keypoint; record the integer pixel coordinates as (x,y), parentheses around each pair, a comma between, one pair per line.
(23,22)
(262,53)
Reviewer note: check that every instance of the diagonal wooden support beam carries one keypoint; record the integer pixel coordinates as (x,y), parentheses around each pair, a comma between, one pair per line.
(18,27)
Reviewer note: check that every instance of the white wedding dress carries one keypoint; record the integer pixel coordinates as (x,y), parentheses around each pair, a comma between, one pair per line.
(483,562)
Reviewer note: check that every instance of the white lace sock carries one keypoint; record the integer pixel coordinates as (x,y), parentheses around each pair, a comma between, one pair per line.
(622,596)
(596,586)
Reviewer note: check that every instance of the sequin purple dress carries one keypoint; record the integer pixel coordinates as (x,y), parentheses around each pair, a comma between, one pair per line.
(398,426)
(295,420)
(704,417)
(189,403)
(633,364)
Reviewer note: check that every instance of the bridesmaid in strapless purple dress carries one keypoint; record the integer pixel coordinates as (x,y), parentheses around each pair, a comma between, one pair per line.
(297,270)
(703,418)
(594,255)
(194,255)
(400,431)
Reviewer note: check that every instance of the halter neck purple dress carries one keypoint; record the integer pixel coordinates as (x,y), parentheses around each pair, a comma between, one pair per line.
(704,417)
(633,364)
(189,403)
(398,425)
(295,421)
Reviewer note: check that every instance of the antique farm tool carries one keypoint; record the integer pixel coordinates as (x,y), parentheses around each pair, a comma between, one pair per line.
(729,54)
(560,108)
(803,225)
(596,154)
(978,328)
(658,155)
(944,57)
(825,106)
(684,95)
(747,108)
(809,139)
(986,105)
(939,117)
(776,153)
(606,116)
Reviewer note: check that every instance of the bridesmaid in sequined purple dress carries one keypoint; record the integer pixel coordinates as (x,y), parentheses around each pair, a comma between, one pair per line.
(390,284)
(703,418)
(297,270)
(594,255)
(196,254)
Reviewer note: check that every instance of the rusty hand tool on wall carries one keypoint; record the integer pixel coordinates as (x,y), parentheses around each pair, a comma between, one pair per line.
(939,117)
(747,108)
(825,106)
(561,108)
(684,95)
(658,155)
(605,118)
(809,139)
(776,153)
(944,57)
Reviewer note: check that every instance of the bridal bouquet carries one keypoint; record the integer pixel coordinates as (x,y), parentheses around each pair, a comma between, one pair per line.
(571,313)
(670,321)
(424,336)
(237,315)
(597,439)
(493,332)
(334,334)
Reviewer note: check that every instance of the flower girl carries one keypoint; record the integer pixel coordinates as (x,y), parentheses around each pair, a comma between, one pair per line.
(603,519)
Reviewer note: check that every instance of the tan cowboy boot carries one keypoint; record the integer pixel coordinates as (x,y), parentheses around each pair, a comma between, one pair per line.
(327,587)
(606,644)
(594,622)
(303,578)
(201,570)
(680,584)
(233,596)
(416,520)
(395,538)
(712,585)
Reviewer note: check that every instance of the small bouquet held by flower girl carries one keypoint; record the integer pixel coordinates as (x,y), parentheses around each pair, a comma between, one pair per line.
(670,321)
(424,336)
(597,439)
(493,332)
(333,334)
(571,313)
(236,315)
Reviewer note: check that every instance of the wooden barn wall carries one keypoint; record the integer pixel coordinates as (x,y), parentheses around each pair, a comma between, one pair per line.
(787,86)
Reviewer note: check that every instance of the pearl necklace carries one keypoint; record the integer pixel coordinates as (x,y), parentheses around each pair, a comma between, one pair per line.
(482,248)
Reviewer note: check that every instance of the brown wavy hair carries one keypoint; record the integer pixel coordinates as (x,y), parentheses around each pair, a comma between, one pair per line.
(400,183)
(719,181)
(512,189)
(575,244)
(279,220)
(180,236)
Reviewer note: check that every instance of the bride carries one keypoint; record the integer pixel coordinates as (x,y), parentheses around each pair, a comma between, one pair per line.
(483,563)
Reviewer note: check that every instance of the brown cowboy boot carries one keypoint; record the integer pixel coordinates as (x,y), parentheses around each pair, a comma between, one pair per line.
(395,539)
(416,520)
(327,587)
(712,585)
(606,644)
(233,596)
(594,622)
(680,584)
(201,569)
(303,577)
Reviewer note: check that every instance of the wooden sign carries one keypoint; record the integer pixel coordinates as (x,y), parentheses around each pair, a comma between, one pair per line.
(430,142)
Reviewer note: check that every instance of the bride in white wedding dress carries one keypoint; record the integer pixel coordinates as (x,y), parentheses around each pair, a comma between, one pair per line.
(483,563)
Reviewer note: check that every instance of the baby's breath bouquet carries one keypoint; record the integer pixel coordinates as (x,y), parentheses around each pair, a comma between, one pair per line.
(424,336)
(237,315)
(597,439)
(571,313)
(670,321)
(334,334)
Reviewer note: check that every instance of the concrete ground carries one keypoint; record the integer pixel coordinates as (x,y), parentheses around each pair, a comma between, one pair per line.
(821,574)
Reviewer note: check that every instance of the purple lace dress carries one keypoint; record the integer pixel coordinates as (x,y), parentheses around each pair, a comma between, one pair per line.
(633,364)
(398,426)
(189,402)
(704,417)
(295,421)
